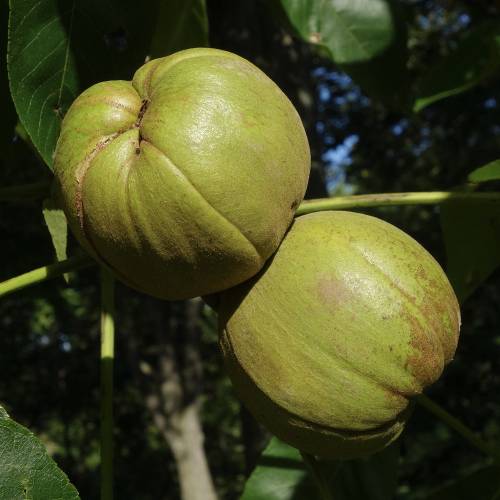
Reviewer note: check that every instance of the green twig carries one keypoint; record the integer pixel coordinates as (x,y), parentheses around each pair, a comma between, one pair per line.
(457,426)
(395,199)
(318,471)
(26,192)
(44,273)
(107,359)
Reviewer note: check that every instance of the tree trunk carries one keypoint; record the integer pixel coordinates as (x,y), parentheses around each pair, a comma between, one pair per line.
(184,435)
(174,380)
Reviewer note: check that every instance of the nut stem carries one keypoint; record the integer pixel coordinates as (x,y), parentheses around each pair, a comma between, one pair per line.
(321,476)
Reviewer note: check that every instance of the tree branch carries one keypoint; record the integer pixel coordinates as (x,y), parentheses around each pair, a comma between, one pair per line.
(44,273)
(395,199)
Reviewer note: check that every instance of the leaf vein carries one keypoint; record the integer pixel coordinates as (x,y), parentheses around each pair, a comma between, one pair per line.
(35,68)
(38,87)
(33,40)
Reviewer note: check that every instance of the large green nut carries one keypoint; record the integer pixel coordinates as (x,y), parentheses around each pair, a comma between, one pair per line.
(184,180)
(347,322)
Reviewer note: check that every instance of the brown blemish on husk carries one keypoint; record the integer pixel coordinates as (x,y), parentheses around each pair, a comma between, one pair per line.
(332,291)
(82,170)
(142,111)
(425,361)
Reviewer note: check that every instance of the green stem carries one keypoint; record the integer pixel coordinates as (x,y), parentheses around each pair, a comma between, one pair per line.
(26,192)
(107,360)
(44,273)
(395,199)
(319,475)
(457,426)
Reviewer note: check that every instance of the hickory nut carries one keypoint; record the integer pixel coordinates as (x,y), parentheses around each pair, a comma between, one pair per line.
(329,342)
(184,180)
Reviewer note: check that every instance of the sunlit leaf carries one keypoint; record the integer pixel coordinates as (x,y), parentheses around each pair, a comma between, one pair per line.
(26,470)
(58,227)
(353,31)
(280,475)
(489,172)
(367,38)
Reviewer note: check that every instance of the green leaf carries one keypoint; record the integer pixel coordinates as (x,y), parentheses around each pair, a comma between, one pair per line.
(57,49)
(472,241)
(180,24)
(351,31)
(489,172)
(481,484)
(58,227)
(280,475)
(42,69)
(386,76)
(26,470)
(367,38)
(476,58)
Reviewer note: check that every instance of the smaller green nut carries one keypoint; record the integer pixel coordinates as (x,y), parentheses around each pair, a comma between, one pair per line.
(184,180)
(347,322)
